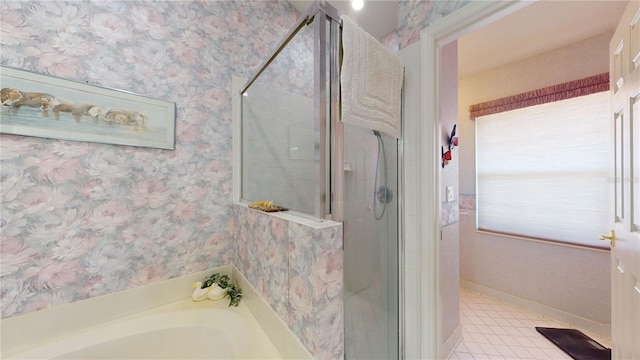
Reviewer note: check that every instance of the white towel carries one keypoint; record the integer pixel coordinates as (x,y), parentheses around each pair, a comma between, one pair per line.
(371,81)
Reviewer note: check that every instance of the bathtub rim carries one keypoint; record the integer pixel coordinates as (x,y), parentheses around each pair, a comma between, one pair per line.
(216,316)
(72,318)
(66,319)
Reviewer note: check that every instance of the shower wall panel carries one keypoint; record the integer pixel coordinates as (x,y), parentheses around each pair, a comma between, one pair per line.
(362,267)
(371,245)
(278,147)
(279,139)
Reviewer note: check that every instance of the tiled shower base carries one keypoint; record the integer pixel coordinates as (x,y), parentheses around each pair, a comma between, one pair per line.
(362,325)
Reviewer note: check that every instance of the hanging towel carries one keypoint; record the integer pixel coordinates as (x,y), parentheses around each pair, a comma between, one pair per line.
(371,81)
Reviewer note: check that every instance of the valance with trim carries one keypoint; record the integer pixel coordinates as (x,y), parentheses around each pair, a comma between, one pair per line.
(568,90)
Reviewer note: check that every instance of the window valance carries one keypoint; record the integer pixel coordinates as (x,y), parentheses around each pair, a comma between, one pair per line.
(568,90)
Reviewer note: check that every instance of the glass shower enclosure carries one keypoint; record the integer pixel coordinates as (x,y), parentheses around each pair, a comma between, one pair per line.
(297,153)
(371,265)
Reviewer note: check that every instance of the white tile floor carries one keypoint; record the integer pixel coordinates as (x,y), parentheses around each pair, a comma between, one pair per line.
(495,330)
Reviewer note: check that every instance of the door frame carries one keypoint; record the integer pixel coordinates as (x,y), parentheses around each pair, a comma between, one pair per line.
(459,23)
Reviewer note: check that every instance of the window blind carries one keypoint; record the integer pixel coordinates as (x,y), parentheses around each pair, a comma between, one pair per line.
(541,171)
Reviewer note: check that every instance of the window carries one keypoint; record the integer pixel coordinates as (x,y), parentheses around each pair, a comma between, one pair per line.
(542,170)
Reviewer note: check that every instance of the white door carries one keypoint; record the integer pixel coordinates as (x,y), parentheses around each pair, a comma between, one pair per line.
(624,53)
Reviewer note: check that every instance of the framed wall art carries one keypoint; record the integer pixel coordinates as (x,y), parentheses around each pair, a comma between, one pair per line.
(49,107)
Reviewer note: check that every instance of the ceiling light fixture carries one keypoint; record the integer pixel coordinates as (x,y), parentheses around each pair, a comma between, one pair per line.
(357,4)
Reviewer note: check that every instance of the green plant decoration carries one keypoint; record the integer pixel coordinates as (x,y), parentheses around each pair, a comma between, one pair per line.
(233,291)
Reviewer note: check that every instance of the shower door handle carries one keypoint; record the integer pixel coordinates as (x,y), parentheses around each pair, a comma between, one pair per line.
(611,237)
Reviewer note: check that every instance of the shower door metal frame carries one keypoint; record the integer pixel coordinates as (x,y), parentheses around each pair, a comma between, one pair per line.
(337,128)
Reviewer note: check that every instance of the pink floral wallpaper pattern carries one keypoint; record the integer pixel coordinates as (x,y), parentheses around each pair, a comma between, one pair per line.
(316,261)
(299,270)
(83,219)
(416,15)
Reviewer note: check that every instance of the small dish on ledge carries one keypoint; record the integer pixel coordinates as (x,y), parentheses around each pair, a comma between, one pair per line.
(266,206)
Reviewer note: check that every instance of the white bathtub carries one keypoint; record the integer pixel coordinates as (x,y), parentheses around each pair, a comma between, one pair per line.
(182,330)
(156,321)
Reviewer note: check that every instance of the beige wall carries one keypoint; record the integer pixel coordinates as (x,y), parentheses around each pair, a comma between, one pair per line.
(572,280)
(576,61)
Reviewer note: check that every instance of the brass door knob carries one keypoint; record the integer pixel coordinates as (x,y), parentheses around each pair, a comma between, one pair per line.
(611,237)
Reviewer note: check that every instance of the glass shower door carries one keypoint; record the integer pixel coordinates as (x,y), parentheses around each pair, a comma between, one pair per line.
(370,244)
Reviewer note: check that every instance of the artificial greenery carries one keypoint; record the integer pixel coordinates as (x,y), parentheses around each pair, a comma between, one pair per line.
(233,291)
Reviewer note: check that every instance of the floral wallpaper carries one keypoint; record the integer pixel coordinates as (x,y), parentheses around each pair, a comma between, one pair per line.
(299,270)
(416,15)
(262,245)
(391,42)
(84,219)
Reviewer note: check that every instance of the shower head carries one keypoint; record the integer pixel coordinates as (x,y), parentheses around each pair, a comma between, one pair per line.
(376,132)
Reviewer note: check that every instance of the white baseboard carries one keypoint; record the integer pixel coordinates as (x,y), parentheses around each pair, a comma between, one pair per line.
(447,347)
(572,320)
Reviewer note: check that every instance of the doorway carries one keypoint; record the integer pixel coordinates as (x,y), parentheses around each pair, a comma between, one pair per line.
(501,265)
(469,18)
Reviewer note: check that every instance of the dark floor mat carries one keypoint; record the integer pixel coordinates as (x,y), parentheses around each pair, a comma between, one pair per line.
(578,345)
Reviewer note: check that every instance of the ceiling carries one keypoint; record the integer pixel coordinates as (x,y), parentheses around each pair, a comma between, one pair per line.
(537,28)
(378,17)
